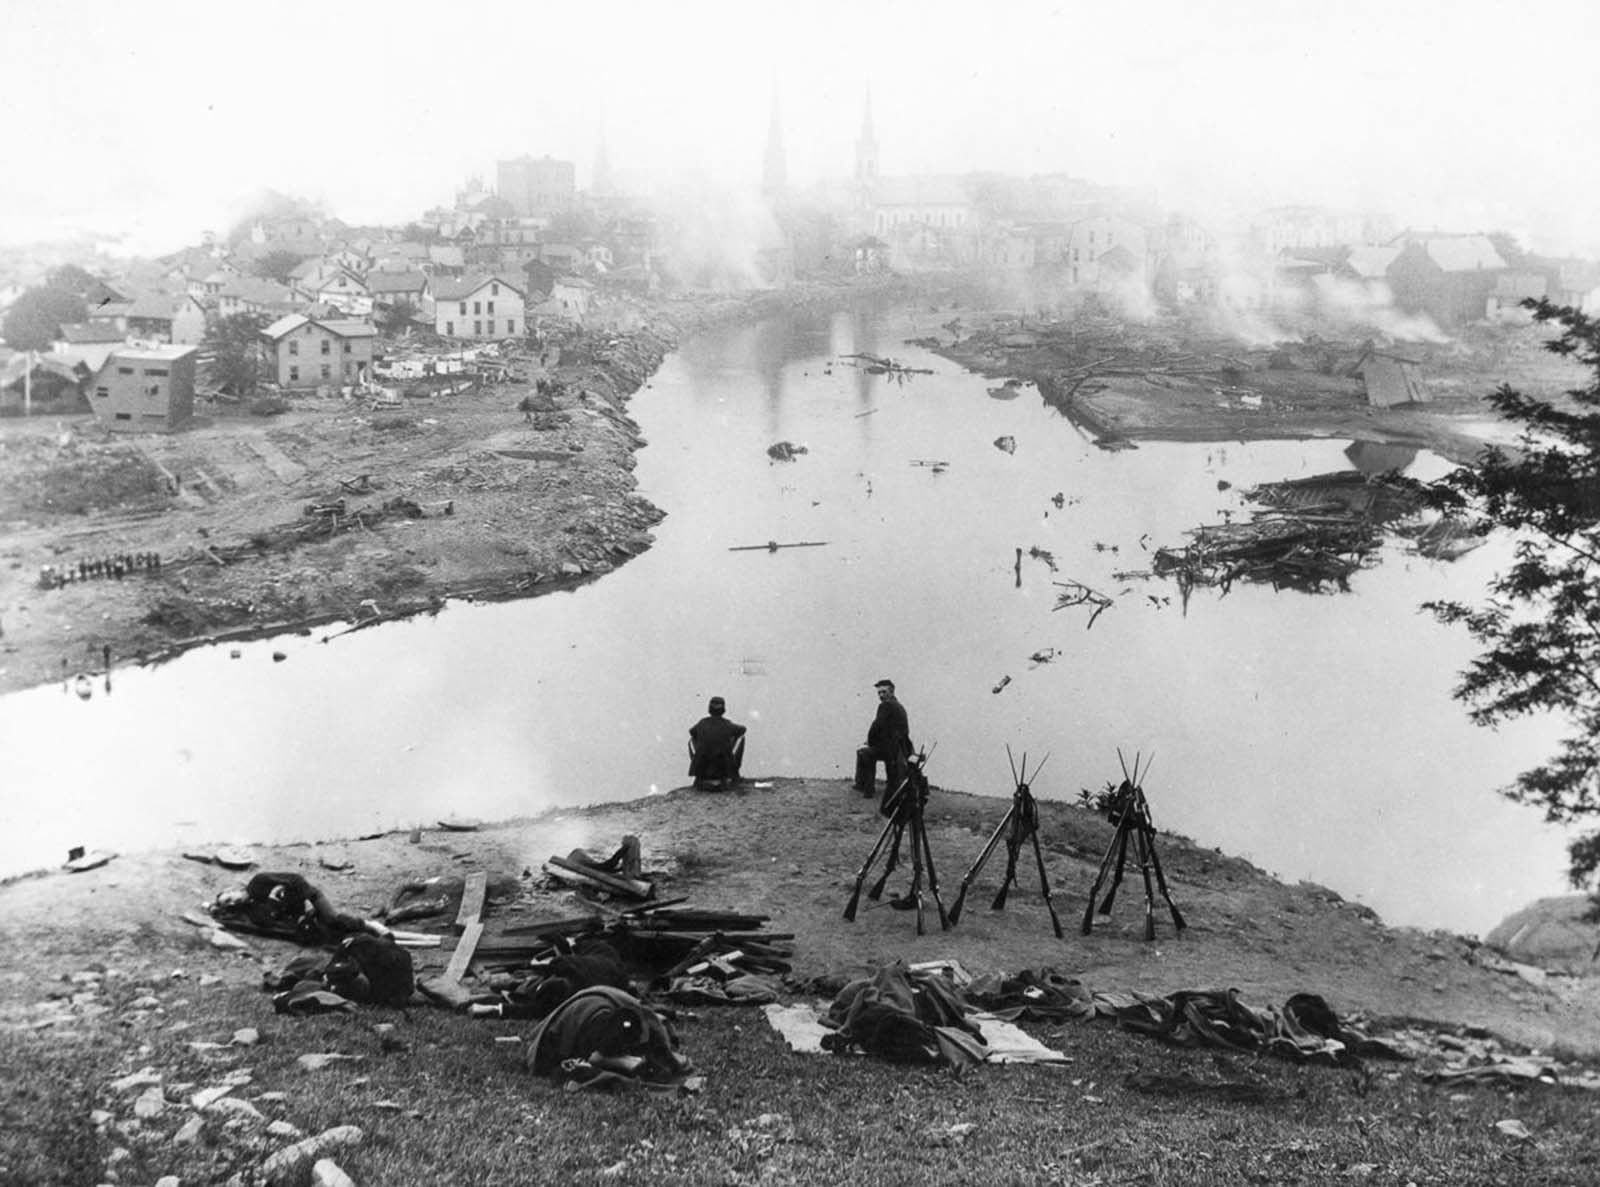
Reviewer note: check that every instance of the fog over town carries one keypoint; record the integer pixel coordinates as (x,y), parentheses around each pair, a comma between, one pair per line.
(150,132)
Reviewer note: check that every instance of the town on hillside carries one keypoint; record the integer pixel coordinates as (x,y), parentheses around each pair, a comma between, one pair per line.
(294,300)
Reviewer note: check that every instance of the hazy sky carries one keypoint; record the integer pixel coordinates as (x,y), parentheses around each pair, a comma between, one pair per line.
(159,120)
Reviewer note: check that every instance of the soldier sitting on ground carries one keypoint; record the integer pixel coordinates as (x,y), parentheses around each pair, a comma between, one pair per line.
(716,749)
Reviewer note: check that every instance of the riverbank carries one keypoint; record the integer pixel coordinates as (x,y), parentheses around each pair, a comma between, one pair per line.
(335,511)
(1192,378)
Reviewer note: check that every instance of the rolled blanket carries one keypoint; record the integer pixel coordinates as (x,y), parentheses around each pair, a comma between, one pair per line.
(604,1032)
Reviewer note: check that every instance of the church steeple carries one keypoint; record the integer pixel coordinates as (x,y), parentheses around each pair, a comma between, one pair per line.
(867,148)
(866,179)
(775,170)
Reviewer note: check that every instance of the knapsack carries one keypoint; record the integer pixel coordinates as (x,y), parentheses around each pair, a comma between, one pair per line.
(369,968)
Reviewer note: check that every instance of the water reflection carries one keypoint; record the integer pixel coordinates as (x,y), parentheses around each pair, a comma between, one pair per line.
(1316,736)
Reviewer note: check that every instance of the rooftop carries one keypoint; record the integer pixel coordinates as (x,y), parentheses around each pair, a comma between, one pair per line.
(154,354)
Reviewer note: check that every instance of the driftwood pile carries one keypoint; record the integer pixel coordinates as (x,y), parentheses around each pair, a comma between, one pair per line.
(880,365)
(1285,551)
(1318,532)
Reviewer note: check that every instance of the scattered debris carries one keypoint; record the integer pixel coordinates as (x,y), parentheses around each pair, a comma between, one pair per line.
(1075,593)
(1006,444)
(1004,680)
(1447,538)
(877,365)
(1043,656)
(78,861)
(1309,553)
(785,451)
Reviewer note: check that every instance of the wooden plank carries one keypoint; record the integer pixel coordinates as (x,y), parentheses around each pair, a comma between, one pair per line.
(633,888)
(472,895)
(466,947)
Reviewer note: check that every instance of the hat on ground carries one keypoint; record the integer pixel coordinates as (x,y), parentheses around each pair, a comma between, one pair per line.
(889,684)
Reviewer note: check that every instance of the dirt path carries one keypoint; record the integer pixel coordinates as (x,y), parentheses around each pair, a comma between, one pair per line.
(792,851)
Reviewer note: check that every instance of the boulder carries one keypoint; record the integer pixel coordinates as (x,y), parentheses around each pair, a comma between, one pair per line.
(1550,933)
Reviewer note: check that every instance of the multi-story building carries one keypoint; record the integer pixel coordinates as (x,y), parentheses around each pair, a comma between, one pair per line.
(166,317)
(479,306)
(307,352)
(537,186)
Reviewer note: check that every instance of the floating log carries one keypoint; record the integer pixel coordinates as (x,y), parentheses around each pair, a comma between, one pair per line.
(773,546)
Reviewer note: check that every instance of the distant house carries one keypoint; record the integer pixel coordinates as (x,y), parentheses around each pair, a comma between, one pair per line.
(145,389)
(446,259)
(164,317)
(490,306)
(570,296)
(111,313)
(939,201)
(1511,289)
(350,259)
(563,257)
(33,382)
(253,294)
(344,290)
(1447,277)
(1573,282)
(1362,275)
(308,353)
(88,334)
(389,289)
(1391,379)
(1089,253)
(100,294)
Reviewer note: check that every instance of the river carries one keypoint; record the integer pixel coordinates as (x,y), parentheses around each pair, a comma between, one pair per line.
(1315,735)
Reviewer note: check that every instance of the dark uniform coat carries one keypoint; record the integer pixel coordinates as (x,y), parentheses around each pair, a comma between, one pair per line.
(714,739)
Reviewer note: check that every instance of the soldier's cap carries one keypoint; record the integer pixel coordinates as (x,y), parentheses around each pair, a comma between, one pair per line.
(889,684)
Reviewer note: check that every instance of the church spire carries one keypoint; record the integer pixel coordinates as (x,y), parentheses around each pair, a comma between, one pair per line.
(867,148)
(775,170)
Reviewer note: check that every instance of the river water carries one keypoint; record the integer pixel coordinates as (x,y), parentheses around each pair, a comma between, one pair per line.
(1315,735)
